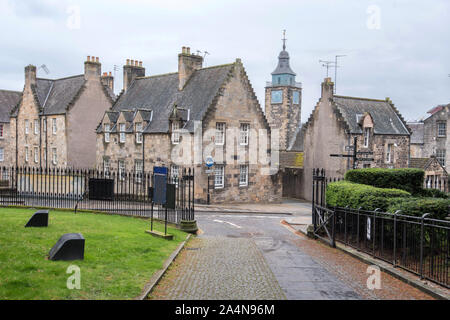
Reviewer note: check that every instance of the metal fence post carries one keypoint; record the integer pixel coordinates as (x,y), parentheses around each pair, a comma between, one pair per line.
(357,228)
(394,263)
(421,243)
(374,231)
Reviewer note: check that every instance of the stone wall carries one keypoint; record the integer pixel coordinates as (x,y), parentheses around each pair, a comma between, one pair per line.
(432,141)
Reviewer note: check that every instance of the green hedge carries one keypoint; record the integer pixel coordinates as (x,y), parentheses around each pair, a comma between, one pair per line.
(344,193)
(410,180)
(431,193)
(419,206)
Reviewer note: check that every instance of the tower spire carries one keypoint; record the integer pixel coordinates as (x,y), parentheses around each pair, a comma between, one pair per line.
(284,40)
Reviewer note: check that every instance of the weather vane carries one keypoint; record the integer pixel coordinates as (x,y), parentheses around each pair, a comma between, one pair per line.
(284,40)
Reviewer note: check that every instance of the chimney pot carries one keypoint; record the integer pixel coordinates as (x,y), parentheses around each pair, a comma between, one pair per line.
(97,59)
(128,62)
(136,63)
(188,50)
(110,74)
(140,63)
(88,58)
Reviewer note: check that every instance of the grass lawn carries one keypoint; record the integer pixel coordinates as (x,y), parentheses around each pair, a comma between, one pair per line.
(119,256)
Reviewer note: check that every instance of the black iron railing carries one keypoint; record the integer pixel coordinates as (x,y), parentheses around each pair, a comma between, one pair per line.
(116,192)
(418,244)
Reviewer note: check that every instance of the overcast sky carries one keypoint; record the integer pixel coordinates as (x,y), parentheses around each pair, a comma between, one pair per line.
(397,49)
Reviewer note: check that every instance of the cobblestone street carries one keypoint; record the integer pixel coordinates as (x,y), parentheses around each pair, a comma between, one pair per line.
(251,256)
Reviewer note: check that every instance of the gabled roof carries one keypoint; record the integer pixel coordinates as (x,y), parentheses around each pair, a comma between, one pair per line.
(8,101)
(385,117)
(424,163)
(417,132)
(160,93)
(297,143)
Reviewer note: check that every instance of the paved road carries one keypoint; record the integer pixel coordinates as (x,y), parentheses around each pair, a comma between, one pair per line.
(299,276)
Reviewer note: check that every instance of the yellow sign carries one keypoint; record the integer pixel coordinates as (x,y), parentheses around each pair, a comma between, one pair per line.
(299,159)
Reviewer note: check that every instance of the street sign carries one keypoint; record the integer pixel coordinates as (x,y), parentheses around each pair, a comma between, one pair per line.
(348,148)
(209,171)
(209,161)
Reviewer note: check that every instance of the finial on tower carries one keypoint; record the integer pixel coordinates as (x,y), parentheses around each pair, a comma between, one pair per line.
(284,40)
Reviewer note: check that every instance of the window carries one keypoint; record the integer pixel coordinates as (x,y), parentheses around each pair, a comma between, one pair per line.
(36,154)
(138,132)
(220,133)
(54,125)
(139,169)
(107,132)
(174,175)
(122,133)
(295,96)
(36,126)
(106,167)
(45,154)
(366,137)
(5,174)
(442,129)
(2,154)
(440,156)
(26,154)
(389,150)
(243,175)
(366,165)
(54,156)
(27,126)
(2,132)
(45,125)
(219,176)
(243,134)
(175,132)
(121,170)
(277,96)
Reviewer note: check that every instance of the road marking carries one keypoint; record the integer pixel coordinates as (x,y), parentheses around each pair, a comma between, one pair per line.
(230,223)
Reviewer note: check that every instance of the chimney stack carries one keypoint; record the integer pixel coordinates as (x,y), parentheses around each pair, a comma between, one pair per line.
(92,68)
(30,75)
(187,64)
(108,80)
(131,71)
(327,88)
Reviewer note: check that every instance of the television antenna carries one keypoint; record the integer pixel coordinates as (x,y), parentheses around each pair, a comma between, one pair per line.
(205,53)
(326,64)
(335,68)
(44,67)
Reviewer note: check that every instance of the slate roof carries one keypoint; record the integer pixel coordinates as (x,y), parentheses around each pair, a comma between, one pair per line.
(417,132)
(8,101)
(283,66)
(385,117)
(160,93)
(419,163)
(297,144)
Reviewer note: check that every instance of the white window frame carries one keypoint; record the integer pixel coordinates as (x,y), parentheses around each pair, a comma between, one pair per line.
(36,126)
(122,128)
(243,175)
(106,167)
(220,133)
(219,176)
(389,151)
(244,131)
(139,170)
(440,156)
(107,131)
(36,154)
(439,129)
(175,132)
(174,174)
(26,154)
(54,156)
(121,169)
(2,154)
(366,137)
(2,130)
(45,125)
(27,126)
(54,127)
(138,128)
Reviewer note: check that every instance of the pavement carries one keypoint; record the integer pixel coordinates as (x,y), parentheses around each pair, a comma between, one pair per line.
(252,255)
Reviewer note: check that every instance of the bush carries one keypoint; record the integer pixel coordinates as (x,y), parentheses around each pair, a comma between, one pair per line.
(419,206)
(410,180)
(431,193)
(344,193)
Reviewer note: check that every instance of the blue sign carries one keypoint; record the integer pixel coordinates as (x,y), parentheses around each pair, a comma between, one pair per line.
(209,161)
(159,185)
(160,170)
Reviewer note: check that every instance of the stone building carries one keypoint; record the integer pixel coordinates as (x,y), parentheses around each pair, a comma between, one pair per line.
(179,119)
(436,177)
(336,120)
(283,104)
(54,123)
(8,101)
(431,135)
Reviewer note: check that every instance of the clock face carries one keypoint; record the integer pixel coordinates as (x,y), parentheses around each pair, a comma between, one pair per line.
(277,96)
(296,97)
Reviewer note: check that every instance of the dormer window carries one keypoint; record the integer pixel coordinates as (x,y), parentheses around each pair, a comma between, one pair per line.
(138,129)
(107,132)
(122,133)
(366,137)
(175,132)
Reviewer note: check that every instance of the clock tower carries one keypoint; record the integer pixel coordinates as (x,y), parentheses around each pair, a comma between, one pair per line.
(283,100)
